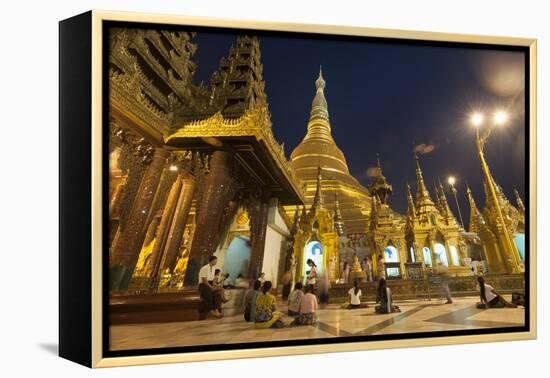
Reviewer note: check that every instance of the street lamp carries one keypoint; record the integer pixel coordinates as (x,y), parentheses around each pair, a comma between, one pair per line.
(499,119)
(452,182)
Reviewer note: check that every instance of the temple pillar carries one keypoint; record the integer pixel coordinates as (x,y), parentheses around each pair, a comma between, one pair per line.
(125,251)
(258,218)
(219,188)
(177,228)
(163,229)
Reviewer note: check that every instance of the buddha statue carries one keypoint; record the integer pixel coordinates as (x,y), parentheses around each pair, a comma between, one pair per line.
(356,267)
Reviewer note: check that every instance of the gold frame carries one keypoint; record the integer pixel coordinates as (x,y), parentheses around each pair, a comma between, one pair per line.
(97,217)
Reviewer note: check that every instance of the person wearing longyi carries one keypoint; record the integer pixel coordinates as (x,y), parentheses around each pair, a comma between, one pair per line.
(210,294)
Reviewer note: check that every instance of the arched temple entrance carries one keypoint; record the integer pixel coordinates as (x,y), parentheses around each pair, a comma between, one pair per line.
(314,251)
(237,257)
(441,254)
(427,256)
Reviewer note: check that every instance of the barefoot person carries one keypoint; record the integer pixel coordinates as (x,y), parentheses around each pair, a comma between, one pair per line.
(250,302)
(308,308)
(210,294)
(266,310)
(489,297)
(384,297)
(294,300)
(354,296)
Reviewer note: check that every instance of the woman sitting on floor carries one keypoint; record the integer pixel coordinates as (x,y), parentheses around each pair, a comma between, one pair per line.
(384,297)
(489,297)
(266,314)
(250,302)
(355,297)
(308,308)
(294,300)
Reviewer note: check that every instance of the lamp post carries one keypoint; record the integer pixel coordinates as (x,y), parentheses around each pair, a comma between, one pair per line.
(500,118)
(454,191)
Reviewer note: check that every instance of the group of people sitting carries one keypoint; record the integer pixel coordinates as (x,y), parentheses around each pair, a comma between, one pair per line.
(383,298)
(261,304)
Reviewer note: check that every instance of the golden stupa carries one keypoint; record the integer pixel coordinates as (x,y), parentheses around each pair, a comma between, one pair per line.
(318,149)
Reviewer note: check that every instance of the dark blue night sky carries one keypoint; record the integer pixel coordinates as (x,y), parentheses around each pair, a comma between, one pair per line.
(387,98)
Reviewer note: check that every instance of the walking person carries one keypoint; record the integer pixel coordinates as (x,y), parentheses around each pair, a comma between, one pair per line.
(443,273)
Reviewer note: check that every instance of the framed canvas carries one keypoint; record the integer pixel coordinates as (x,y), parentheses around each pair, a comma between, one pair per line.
(234,189)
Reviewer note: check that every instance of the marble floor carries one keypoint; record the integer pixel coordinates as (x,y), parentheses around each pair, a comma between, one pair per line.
(416,316)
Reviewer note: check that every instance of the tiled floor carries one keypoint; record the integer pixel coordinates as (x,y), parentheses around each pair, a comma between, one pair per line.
(416,316)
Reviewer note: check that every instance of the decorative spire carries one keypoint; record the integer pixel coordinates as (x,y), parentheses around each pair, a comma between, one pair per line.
(519,202)
(338,219)
(319,107)
(422,194)
(445,208)
(475,215)
(437,197)
(303,218)
(374,212)
(296,221)
(411,210)
(379,185)
(318,202)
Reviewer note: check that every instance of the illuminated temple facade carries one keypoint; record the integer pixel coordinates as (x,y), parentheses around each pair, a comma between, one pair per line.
(196,171)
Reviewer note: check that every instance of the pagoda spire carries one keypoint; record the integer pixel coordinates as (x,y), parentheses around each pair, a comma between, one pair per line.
(444,204)
(411,210)
(338,219)
(422,194)
(318,202)
(374,212)
(379,185)
(437,201)
(319,106)
(475,214)
(519,202)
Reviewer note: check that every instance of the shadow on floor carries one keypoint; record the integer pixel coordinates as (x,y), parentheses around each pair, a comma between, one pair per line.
(52,348)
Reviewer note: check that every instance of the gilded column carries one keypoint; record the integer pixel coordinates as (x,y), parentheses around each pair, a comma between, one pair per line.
(218,190)
(164,227)
(177,228)
(125,251)
(258,217)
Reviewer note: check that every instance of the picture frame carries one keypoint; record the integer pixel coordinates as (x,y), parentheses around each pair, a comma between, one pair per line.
(87,298)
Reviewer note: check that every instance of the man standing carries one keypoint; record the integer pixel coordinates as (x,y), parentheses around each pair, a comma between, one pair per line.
(444,278)
(209,293)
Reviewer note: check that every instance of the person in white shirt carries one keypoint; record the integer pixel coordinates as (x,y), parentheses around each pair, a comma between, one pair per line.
(209,293)
(490,297)
(355,296)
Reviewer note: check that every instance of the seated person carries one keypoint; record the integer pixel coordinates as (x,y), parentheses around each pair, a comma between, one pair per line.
(266,311)
(355,297)
(489,297)
(308,308)
(294,300)
(384,297)
(225,283)
(250,302)
(218,283)
(210,294)
(241,282)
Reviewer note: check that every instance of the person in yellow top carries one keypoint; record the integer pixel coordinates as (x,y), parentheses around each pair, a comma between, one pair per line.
(267,315)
